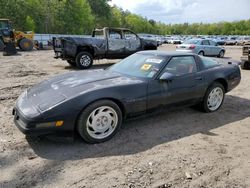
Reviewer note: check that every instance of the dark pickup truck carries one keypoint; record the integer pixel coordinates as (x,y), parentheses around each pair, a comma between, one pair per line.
(110,43)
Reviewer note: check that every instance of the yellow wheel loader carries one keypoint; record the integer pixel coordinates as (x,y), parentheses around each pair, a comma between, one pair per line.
(10,39)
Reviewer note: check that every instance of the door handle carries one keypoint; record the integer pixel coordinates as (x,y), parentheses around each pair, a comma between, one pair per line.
(198,78)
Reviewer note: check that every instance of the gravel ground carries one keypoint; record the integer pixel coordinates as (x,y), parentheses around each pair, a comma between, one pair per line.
(180,148)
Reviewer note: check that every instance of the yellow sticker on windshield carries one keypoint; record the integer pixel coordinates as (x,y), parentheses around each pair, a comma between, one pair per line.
(145,67)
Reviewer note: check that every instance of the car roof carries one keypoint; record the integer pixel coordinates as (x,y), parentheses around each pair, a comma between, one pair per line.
(164,53)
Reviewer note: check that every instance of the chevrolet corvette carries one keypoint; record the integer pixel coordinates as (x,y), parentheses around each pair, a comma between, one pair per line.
(94,103)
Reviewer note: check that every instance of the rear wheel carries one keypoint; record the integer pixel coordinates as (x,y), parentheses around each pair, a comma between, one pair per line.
(84,60)
(201,53)
(100,121)
(214,97)
(26,44)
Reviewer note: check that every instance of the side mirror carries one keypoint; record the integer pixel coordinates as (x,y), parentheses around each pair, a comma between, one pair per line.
(166,76)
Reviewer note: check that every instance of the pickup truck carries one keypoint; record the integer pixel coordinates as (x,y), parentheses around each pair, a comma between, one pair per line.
(109,43)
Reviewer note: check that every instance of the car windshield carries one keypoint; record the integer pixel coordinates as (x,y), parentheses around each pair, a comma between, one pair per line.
(193,41)
(139,65)
(4,25)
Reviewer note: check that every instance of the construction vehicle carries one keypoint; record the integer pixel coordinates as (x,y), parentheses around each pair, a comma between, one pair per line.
(10,39)
(245,59)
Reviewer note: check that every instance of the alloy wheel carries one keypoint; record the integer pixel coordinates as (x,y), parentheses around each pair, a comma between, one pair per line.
(102,122)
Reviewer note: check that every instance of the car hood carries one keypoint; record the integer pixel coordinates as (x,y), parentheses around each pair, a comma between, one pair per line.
(149,41)
(56,90)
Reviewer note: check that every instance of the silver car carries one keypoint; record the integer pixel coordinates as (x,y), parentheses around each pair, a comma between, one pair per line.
(202,47)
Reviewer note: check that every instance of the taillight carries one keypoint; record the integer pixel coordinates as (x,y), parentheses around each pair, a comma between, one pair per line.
(192,46)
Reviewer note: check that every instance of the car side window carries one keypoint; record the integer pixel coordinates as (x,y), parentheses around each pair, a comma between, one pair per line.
(208,62)
(115,35)
(130,35)
(205,42)
(181,65)
(212,43)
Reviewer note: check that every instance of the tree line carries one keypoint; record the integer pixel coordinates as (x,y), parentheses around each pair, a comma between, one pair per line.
(81,16)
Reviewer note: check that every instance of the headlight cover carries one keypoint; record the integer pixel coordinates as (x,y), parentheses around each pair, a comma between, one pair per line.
(25,106)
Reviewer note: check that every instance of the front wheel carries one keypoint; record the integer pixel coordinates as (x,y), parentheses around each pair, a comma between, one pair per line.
(221,54)
(100,121)
(84,60)
(214,97)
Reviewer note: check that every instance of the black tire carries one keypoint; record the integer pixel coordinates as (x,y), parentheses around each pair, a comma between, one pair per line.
(245,65)
(201,53)
(221,54)
(1,45)
(204,104)
(82,128)
(84,60)
(71,62)
(26,45)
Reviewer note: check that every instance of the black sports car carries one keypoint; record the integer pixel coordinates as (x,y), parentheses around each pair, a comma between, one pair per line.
(95,102)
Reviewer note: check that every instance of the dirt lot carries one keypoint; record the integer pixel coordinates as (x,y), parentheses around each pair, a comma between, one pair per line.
(181,148)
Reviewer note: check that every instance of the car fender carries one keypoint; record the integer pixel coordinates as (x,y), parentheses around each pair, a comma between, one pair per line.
(218,77)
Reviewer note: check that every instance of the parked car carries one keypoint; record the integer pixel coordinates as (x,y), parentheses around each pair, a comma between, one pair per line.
(202,47)
(110,43)
(219,41)
(96,102)
(231,41)
(151,37)
(174,41)
(243,40)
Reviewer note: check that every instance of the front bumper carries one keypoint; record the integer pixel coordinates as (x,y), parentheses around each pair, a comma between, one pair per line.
(35,127)
(28,126)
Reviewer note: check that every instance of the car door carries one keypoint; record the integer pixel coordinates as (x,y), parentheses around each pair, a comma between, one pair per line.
(206,47)
(132,42)
(215,50)
(185,85)
(116,44)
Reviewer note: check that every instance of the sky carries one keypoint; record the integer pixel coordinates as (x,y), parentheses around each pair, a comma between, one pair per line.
(191,11)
